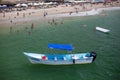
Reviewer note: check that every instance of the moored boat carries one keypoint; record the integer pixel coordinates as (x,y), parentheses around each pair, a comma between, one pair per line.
(61,59)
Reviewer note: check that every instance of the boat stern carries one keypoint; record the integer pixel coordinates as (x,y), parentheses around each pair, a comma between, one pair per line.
(94,55)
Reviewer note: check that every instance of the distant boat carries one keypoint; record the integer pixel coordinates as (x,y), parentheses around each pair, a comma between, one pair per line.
(61,59)
(102,29)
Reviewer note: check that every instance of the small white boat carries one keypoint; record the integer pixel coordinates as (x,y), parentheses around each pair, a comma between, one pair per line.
(61,59)
(102,29)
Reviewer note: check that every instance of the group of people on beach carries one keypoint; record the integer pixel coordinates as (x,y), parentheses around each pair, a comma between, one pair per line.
(13,17)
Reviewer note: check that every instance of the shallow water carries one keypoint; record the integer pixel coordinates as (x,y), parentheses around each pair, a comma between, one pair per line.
(78,31)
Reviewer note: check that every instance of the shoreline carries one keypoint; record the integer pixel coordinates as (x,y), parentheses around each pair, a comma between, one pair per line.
(87,13)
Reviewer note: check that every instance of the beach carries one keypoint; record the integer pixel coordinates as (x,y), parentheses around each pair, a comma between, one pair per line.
(25,16)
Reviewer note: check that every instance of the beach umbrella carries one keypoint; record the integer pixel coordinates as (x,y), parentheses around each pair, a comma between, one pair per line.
(4,5)
(17,5)
(24,5)
(30,4)
(79,1)
(41,3)
(35,4)
(50,3)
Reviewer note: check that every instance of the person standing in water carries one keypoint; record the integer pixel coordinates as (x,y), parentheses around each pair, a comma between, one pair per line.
(10,29)
(32,26)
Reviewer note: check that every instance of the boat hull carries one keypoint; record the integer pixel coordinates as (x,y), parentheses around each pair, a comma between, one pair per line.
(55,59)
(102,30)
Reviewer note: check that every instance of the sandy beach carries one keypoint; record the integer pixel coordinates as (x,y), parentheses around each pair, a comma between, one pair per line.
(55,12)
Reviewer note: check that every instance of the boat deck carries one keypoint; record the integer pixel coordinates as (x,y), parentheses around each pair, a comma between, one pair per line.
(66,56)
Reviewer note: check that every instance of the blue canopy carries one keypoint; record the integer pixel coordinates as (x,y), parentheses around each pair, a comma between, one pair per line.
(3,7)
(60,46)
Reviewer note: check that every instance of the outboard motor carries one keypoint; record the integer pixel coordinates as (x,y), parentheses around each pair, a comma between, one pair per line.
(94,55)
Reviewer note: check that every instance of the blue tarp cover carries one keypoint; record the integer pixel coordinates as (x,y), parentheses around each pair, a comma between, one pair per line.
(60,46)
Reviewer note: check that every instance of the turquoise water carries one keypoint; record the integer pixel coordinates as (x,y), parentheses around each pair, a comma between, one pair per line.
(78,31)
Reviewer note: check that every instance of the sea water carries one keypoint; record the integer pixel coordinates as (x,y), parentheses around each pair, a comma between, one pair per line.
(77,31)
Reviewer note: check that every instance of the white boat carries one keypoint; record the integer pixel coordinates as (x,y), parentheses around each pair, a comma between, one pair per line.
(61,59)
(102,29)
